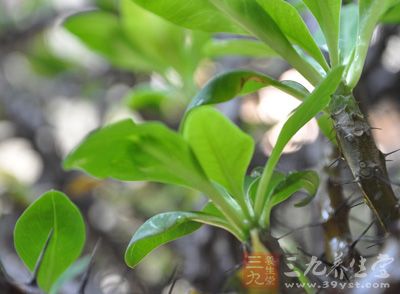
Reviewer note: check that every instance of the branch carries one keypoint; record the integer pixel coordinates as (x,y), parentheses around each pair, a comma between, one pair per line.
(366,162)
(338,238)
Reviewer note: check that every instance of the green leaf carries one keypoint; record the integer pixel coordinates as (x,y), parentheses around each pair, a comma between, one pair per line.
(327,13)
(144,96)
(281,187)
(214,217)
(149,32)
(156,231)
(101,32)
(392,16)
(370,14)
(53,211)
(327,127)
(229,85)
(146,152)
(310,107)
(252,18)
(223,150)
(238,47)
(348,31)
(295,182)
(292,25)
(276,179)
(196,15)
(166,227)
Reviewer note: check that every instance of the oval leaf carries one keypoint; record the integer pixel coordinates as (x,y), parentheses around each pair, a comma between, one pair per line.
(52,212)
(169,226)
(223,150)
(229,85)
(130,152)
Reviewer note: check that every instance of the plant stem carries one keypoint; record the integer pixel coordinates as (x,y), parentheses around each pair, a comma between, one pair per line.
(228,207)
(335,214)
(366,162)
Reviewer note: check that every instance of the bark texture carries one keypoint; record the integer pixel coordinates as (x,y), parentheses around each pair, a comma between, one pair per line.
(366,161)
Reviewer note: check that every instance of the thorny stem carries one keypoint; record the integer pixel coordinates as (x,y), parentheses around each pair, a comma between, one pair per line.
(366,162)
(335,214)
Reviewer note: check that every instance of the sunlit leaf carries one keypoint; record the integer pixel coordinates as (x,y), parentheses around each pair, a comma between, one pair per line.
(101,32)
(327,13)
(148,33)
(196,15)
(292,25)
(52,212)
(130,152)
(144,96)
(238,47)
(370,13)
(392,16)
(348,31)
(252,18)
(223,150)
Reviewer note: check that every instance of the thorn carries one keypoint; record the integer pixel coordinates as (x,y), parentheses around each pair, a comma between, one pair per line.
(310,255)
(86,274)
(378,243)
(334,162)
(174,279)
(361,235)
(300,228)
(345,204)
(390,153)
(361,222)
(357,204)
(33,281)
(356,181)
(387,181)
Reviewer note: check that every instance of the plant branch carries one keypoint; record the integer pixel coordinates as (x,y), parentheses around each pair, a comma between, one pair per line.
(335,211)
(366,162)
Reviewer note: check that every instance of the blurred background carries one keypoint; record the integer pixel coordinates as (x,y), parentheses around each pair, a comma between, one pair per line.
(68,67)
